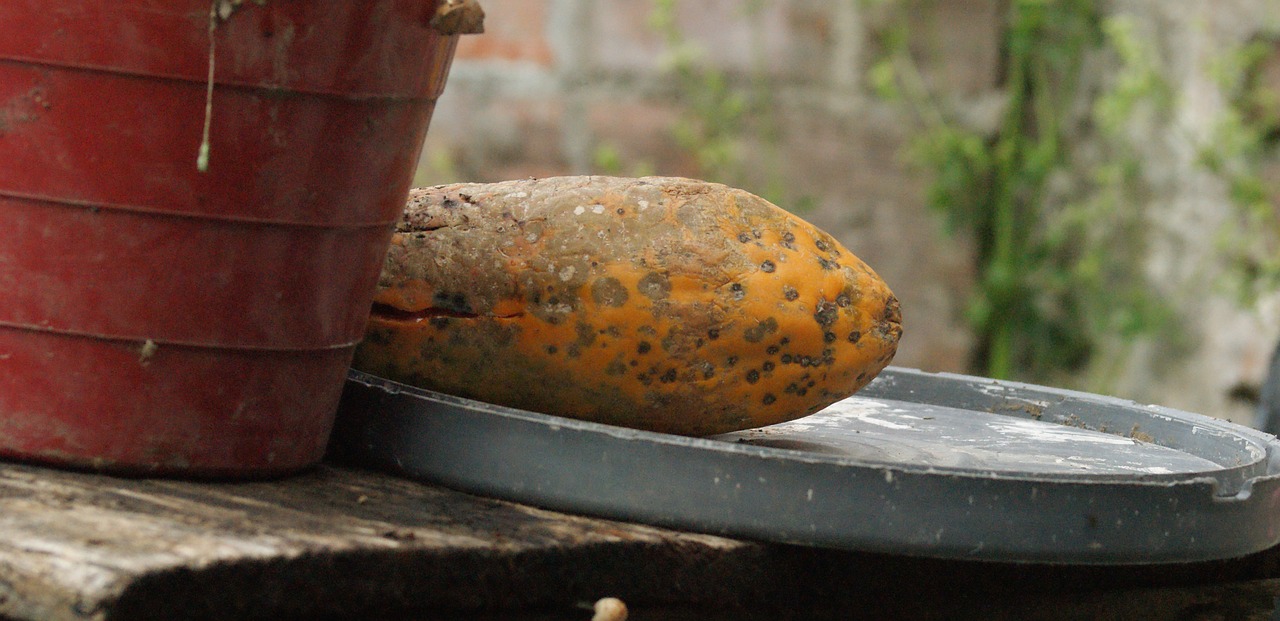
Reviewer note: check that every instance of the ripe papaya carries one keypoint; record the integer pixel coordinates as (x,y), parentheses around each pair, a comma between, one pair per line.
(655,303)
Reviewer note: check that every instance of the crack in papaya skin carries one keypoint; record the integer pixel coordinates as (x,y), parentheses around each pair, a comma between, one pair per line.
(390,313)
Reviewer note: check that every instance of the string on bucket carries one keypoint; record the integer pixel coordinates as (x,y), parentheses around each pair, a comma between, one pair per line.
(219,11)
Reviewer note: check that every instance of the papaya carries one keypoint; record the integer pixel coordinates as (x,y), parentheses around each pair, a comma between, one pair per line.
(656,303)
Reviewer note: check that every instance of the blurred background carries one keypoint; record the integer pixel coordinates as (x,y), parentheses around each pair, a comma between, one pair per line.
(1075,192)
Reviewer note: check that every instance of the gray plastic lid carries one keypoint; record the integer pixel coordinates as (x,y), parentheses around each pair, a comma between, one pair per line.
(919,464)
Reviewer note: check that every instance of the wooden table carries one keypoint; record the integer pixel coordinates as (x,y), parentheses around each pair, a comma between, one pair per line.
(338,543)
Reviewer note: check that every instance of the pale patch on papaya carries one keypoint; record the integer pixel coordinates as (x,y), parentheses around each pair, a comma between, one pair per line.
(609,291)
(586,334)
(762,329)
(655,286)
(615,368)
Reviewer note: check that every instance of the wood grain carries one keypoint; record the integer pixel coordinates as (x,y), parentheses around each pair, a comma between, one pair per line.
(328,542)
(340,543)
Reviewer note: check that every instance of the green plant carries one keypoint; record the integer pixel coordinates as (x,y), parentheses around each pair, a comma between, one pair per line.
(609,160)
(1247,135)
(723,114)
(710,130)
(1058,271)
(437,166)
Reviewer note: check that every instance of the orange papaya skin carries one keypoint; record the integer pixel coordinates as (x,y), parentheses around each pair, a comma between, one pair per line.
(656,303)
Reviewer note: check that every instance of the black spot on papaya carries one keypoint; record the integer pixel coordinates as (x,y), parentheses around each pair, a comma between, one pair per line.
(753,376)
(655,286)
(609,291)
(668,377)
(790,293)
(505,336)
(615,368)
(855,336)
(892,310)
(459,338)
(586,334)
(454,302)
(768,398)
(826,314)
(377,336)
(428,351)
(713,334)
(744,237)
(767,366)
(757,333)
(768,266)
(738,290)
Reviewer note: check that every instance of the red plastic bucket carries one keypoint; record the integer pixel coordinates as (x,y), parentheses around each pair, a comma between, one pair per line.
(160,319)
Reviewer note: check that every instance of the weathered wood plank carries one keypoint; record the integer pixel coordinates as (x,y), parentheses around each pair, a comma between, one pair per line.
(332,541)
(341,543)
